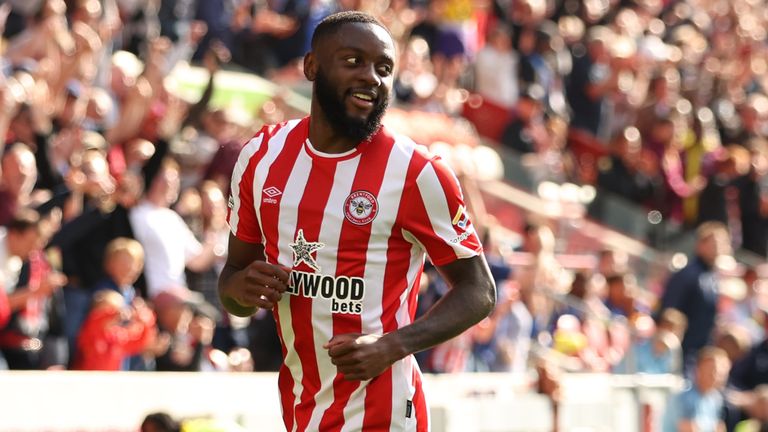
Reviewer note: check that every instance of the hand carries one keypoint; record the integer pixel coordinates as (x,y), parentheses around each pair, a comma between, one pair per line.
(201,329)
(197,29)
(262,285)
(53,281)
(361,356)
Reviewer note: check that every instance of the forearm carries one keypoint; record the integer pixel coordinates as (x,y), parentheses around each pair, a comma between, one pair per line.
(231,276)
(457,311)
(17,300)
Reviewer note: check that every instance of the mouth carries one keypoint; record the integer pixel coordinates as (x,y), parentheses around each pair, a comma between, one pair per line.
(363,99)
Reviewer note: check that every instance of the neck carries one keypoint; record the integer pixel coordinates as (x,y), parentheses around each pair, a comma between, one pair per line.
(156,200)
(323,136)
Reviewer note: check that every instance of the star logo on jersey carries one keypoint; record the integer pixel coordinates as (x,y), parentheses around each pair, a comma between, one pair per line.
(303,250)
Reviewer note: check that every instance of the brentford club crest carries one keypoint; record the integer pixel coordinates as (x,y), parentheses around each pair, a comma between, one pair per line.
(361,207)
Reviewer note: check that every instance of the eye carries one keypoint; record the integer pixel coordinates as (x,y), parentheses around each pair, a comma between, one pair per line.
(384,70)
(353,60)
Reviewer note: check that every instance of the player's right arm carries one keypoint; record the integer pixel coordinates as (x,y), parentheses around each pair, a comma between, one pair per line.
(247,281)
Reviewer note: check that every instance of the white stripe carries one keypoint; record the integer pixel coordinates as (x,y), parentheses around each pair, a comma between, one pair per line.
(403,387)
(276,145)
(237,175)
(289,205)
(438,212)
(322,319)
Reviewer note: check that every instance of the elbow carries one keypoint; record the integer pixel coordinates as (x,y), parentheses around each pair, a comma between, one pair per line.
(490,297)
(486,301)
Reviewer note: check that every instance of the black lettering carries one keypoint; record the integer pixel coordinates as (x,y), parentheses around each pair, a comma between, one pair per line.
(343,307)
(326,287)
(358,308)
(293,283)
(342,288)
(311,284)
(358,289)
(335,306)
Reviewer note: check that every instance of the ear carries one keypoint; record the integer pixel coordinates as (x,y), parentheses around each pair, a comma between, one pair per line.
(310,66)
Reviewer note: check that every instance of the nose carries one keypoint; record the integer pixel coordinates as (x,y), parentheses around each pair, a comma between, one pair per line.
(370,76)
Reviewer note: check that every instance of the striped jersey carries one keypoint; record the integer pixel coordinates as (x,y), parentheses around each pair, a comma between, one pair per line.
(354,228)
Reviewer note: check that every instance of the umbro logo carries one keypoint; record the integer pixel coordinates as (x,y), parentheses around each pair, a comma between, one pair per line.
(271,192)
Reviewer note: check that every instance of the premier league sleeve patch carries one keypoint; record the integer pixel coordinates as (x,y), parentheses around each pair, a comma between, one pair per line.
(361,207)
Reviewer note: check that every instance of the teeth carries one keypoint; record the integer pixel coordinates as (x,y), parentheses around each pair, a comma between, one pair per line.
(363,96)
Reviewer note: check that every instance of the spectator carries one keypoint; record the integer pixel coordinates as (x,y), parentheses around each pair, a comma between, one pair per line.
(693,290)
(526,132)
(496,69)
(18,173)
(123,262)
(591,82)
(111,333)
(502,341)
(714,203)
(184,320)
(620,172)
(657,353)
(159,422)
(750,371)
(758,413)
(167,240)
(753,211)
(621,299)
(698,408)
(30,285)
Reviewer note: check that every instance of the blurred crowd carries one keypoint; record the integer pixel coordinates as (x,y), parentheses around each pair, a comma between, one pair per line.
(113,188)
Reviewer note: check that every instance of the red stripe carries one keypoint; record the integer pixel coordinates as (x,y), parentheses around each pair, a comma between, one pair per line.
(278,177)
(353,247)
(399,253)
(310,218)
(378,415)
(420,404)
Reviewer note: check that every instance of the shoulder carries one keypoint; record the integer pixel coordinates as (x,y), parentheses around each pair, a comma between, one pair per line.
(270,131)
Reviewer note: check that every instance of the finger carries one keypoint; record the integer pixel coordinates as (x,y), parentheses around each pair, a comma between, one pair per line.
(276,271)
(257,277)
(256,290)
(344,361)
(260,301)
(340,349)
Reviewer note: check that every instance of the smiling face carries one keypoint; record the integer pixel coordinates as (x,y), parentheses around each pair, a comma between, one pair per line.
(352,70)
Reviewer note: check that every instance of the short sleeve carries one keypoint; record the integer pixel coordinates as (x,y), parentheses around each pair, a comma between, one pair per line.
(437,216)
(242,218)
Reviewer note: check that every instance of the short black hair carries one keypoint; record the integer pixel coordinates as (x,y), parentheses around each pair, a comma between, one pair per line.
(332,22)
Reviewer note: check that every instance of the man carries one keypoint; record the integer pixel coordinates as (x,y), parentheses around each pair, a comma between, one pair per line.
(331,217)
(17,179)
(699,406)
(694,289)
(167,240)
(29,284)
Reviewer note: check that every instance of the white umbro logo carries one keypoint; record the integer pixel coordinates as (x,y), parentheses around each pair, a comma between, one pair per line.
(271,192)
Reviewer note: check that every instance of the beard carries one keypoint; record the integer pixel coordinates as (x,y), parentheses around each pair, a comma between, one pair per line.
(335,112)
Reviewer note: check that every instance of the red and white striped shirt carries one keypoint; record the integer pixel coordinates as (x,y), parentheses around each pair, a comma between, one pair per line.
(354,228)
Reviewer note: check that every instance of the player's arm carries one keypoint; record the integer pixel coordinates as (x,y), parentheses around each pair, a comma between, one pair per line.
(247,282)
(471,298)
